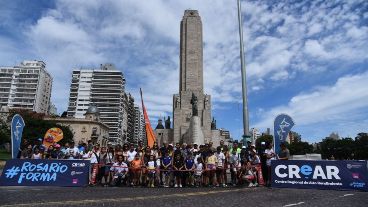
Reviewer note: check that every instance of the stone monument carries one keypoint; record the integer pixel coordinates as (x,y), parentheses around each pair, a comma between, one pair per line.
(191,80)
(191,107)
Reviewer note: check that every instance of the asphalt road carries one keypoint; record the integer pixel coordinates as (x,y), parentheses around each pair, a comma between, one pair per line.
(134,197)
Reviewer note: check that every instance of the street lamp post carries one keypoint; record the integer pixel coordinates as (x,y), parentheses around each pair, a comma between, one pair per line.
(244,80)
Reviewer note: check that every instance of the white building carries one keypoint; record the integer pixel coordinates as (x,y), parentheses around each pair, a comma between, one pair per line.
(104,88)
(139,125)
(255,133)
(26,86)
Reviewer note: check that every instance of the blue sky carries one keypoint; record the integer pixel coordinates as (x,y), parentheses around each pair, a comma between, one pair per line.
(308,59)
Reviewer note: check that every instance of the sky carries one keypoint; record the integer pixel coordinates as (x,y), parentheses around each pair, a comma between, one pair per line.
(308,59)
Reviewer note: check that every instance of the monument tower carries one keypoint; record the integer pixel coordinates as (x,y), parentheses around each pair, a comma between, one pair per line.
(191,83)
(191,107)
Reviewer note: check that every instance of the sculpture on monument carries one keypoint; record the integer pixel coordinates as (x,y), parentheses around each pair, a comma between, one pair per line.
(206,102)
(177,102)
(167,123)
(194,102)
(159,124)
(213,124)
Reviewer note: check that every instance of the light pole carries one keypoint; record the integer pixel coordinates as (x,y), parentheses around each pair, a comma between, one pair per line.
(244,80)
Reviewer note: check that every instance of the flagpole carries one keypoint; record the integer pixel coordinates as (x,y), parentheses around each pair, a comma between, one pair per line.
(149,131)
(140,91)
(244,79)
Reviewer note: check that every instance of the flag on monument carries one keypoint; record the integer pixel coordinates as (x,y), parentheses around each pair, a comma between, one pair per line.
(282,126)
(17,126)
(149,131)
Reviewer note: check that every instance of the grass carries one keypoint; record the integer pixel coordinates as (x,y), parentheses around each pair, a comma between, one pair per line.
(4,155)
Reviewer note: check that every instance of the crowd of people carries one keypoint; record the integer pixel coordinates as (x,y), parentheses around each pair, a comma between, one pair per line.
(179,165)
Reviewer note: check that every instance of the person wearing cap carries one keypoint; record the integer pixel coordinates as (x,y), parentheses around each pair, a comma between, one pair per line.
(195,148)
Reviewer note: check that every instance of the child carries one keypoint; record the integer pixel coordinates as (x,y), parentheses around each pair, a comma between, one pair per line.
(220,167)
(158,167)
(234,163)
(178,166)
(189,166)
(151,170)
(37,154)
(211,167)
(136,165)
(247,175)
(166,167)
(198,172)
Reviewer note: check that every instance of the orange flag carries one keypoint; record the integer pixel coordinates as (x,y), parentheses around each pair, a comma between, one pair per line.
(149,132)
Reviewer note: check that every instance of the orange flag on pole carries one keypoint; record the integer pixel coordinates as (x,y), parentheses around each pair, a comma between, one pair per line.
(149,132)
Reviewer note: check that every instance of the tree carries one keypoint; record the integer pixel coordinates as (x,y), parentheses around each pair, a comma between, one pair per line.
(345,148)
(361,147)
(300,148)
(4,132)
(36,127)
(264,138)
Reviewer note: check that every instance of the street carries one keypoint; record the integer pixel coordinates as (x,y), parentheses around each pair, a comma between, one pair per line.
(123,196)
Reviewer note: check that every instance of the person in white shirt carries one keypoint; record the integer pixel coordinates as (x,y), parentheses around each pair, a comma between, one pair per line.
(119,171)
(247,175)
(254,158)
(220,167)
(151,167)
(234,164)
(93,155)
(270,155)
(131,153)
(72,152)
(198,172)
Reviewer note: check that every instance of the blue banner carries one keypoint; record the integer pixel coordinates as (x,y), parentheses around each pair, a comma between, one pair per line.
(28,172)
(282,126)
(320,174)
(17,126)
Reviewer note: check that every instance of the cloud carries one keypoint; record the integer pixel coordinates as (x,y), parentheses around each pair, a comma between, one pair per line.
(337,104)
(315,49)
(284,42)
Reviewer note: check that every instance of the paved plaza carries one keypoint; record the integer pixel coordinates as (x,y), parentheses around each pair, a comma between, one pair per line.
(123,196)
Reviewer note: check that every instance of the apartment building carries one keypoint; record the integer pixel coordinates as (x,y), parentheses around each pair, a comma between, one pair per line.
(26,86)
(104,88)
